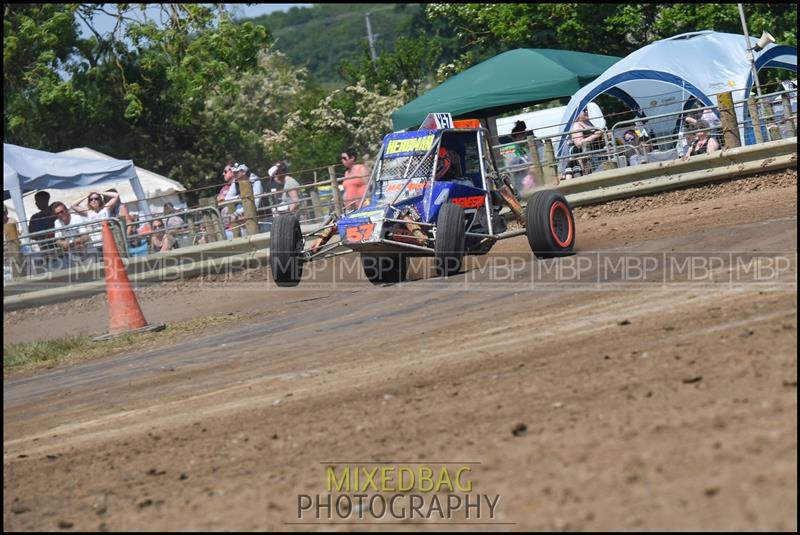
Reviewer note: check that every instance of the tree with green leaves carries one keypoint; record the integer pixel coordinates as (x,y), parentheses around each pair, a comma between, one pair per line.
(407,67)
(316,132)
(136,92)
(612,29)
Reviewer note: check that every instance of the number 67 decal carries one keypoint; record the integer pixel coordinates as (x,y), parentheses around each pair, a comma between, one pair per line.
(359,232)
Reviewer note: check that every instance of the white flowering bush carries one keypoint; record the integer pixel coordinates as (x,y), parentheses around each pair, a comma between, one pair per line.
(314,136)
(461,63)
(259,102)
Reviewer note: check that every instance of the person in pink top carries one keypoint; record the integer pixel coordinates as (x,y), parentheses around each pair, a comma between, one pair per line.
(356,176)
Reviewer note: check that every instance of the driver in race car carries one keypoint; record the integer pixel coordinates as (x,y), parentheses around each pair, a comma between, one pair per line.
(448,168)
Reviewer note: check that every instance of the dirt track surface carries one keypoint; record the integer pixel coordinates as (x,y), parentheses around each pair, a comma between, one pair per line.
(666,404)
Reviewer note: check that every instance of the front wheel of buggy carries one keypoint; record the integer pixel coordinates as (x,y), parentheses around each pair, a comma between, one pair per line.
(449,245)
(384,268)
(286,247)
(550,225)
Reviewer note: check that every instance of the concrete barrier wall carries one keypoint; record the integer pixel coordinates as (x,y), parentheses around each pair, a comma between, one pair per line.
(659,176)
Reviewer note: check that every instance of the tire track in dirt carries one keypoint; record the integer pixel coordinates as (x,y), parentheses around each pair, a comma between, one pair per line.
(664,407)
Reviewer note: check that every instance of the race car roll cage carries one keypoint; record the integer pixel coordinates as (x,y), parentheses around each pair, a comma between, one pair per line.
(500,182)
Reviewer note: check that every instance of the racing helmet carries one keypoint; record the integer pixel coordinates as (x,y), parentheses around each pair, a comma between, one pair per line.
(443,164)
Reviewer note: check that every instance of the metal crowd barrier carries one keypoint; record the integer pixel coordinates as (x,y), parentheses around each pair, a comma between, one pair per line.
(531,163)
(197,226)
(315,201)
(42,251)
(75,245)
(767,119)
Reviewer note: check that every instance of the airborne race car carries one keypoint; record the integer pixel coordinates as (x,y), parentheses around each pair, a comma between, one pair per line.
(433,192)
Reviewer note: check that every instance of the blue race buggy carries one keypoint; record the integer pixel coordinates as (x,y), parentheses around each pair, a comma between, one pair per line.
(432,192)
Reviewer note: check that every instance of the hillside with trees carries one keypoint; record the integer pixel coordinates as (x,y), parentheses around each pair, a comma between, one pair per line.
(321,37)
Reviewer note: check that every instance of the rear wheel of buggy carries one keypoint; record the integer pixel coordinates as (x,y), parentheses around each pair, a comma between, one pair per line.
(550,225)
(384,268)
(449,246)
(286,246)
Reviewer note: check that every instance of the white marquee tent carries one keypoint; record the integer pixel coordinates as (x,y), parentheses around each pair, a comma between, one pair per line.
(70,175)
(158,189)
(660,77)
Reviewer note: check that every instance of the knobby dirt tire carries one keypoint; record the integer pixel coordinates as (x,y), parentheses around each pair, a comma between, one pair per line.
(449,246)
(550,224)
(286,246)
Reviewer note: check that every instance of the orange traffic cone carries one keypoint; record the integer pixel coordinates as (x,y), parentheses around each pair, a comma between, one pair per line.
(125,314)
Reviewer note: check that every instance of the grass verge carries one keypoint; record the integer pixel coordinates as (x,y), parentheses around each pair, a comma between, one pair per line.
(46,354)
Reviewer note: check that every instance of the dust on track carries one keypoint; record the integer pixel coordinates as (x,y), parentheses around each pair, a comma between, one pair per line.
(664,407)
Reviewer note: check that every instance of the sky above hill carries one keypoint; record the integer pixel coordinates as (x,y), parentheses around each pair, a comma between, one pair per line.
(105,23)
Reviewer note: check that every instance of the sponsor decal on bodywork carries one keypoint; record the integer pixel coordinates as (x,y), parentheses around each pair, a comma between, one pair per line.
(475,201)
(408,143)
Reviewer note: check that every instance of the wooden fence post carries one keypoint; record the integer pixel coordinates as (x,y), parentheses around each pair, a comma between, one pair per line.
(212,227)
(249,204)
(337,198)
(788,120)
(536,162)
(773,129)
(754,118)
(727,116)
(549,166)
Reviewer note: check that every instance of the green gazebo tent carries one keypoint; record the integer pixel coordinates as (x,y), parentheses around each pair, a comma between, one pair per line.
(506,82)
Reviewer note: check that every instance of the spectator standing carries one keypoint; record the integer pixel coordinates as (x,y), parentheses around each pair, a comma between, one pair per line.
(274,190)
(518,134)
(44,218)
(290,199)
(227,175)
(583,135)
(241,172)
(356,176)
(7,220)
(117,210)
(519,158)
(7,269)
(258,188)
(223,194)
(98,209)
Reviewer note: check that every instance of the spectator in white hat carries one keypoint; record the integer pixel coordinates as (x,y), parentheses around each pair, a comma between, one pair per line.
(240,171)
